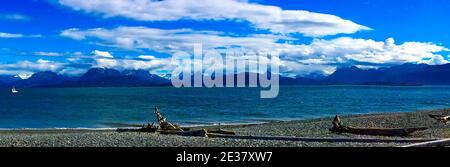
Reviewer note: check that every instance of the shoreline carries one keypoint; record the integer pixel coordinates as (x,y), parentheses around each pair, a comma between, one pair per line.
(218,125)
(310,128)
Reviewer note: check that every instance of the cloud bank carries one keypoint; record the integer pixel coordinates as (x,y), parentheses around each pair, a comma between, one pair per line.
(29,67)
(325,54)
(272,18)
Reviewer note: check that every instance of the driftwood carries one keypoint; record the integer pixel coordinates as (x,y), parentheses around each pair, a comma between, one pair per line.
(144,128)
(165,127)
(163,123)
(199,133)
(441,118)
(149,128)
(220,131)
(339,128)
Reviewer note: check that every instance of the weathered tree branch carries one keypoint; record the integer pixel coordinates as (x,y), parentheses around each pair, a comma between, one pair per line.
(441,118)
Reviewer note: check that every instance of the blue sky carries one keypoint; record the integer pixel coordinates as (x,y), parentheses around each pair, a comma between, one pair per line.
(70,36)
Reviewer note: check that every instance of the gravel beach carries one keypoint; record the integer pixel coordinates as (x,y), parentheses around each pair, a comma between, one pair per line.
(317,128)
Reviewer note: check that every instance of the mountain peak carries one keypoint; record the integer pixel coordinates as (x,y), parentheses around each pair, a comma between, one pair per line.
(44,74)
(40,79)
(111,77)
(99,73)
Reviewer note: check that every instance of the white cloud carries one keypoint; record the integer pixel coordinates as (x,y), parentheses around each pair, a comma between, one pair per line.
(9,35)
(122,64)
(106,63)
(98,53)
(13,16)
(435,60)
(73,71)
(147,57)
(319,51)
(29,67)
(344,50)
(170,41)
(261,16)
(50,54)
(296,68)
(320,55)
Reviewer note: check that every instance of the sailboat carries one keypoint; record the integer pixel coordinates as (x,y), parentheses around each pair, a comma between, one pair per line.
(14,91)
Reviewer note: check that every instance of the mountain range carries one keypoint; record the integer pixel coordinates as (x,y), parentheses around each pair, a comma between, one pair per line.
(406,74)
(95,77)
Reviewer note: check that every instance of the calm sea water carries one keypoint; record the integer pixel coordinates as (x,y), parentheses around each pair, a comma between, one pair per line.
(108,107)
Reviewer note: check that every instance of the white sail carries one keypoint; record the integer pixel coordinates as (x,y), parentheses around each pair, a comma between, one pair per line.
(13,90)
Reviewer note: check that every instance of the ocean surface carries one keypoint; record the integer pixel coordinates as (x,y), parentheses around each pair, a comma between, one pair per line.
(117,107)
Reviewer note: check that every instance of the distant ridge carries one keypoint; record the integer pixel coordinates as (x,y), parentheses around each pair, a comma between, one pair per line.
(406,74)
(41,79)
(8,79)
(104,75)
(95,77)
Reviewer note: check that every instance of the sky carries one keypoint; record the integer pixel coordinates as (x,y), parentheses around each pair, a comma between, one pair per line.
(310,36)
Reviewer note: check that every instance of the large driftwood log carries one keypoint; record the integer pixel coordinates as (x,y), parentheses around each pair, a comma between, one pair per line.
(339,128)
(199,133)
(441,118)
(148,128)
(163,123)
(165,127)
(220,131)
(168,128)
(145,128)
